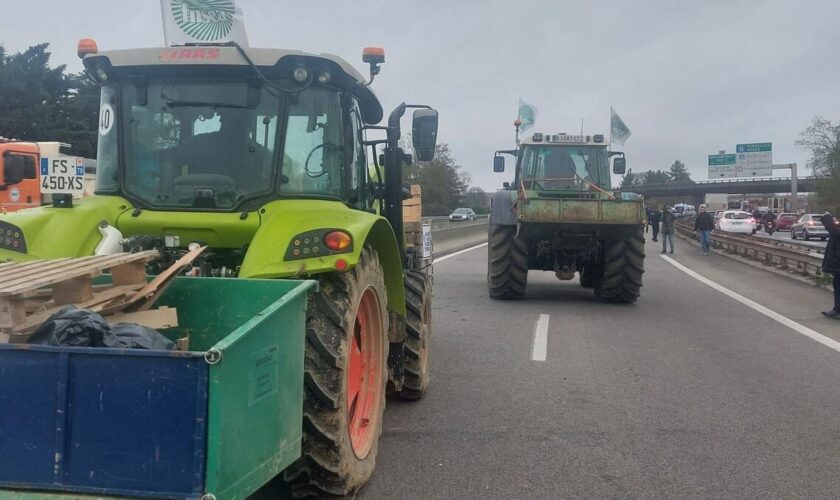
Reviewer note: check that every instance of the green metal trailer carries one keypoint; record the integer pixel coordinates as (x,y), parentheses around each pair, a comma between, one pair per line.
(218,421)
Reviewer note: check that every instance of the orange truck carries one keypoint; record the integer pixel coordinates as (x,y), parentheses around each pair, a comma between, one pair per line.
(20,173)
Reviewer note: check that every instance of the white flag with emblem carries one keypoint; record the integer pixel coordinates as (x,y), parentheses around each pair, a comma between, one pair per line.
(202,21)
(619,131)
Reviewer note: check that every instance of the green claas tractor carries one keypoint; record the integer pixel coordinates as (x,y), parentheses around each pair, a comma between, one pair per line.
(262,156)
(560,214)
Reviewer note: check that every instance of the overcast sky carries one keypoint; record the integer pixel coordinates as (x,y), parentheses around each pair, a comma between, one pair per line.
(688,78)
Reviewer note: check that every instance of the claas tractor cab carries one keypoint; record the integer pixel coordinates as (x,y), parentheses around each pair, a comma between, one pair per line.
(262,156)
(561,214)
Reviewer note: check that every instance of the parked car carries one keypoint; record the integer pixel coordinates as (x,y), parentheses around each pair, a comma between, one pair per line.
(462,214)
(809,226)
(736,221)
(785,221)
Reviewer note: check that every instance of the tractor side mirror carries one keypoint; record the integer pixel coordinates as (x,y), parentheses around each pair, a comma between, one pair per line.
(424,133)
(619,165)
(498,164)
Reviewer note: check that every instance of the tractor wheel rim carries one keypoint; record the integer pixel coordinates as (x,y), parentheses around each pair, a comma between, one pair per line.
(364,374)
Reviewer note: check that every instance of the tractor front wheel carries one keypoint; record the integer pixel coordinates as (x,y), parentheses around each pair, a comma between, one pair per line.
(344,381)
(507,263)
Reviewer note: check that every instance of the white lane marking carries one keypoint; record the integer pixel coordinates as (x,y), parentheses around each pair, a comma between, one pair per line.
(540,349)
(441,259)
(800,328)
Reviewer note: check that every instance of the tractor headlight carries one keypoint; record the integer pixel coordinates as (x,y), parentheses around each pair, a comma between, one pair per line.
(11,238)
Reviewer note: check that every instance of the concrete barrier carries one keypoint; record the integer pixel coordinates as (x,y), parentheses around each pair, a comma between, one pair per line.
(460,236)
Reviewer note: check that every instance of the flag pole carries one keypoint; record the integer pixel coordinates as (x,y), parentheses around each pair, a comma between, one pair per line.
(517,123)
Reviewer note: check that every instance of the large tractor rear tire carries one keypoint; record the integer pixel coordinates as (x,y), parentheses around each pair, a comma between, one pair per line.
(418,304)
(507,263)
(344,381)
(622,266)
(587,277)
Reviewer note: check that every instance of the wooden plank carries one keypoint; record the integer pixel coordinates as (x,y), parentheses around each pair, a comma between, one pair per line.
(12,268)
(96,304)
(129,274)
(30,279)
(158,319)
(74,269)
(73,291)
(412,213)
(12,312)
(183,344)
(28,269)
(145,298)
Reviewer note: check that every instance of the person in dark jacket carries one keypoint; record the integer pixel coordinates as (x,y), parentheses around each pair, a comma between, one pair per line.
(703,224)
(667,228)
(653,220)
(831,261)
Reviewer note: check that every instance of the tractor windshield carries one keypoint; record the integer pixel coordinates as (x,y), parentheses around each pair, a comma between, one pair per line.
(552,168)
(212,144)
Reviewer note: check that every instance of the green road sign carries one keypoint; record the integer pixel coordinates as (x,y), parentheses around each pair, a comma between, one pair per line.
(717,160)
(758,147)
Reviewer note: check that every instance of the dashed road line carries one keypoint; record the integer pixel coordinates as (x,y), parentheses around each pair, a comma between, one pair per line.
(540,349)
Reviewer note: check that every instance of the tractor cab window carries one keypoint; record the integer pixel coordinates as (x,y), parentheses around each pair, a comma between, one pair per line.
(198,144)
(562,167)
(357,170)
(314,155)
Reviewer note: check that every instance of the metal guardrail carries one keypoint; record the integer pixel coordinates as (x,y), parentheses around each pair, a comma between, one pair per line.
(788,256)
(458,236)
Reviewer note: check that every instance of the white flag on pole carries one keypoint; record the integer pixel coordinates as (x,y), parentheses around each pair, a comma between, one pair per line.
(618,130)
(202,21)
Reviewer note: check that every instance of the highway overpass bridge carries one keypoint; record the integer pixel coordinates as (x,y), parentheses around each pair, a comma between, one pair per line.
(697,190)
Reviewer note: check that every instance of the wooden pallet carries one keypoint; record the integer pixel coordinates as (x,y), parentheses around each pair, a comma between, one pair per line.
(30,292)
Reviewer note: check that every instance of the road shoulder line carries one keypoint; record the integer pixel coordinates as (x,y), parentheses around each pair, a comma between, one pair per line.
(441,259)
(793,325)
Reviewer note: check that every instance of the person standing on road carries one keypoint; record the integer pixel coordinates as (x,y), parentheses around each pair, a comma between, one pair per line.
(703,224)
(831,261)
(667,228)
(654,218)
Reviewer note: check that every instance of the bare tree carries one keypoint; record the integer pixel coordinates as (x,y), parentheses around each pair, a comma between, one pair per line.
(822,139)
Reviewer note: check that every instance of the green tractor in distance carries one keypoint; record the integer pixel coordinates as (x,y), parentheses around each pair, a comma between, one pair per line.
(262,156)
(560,214)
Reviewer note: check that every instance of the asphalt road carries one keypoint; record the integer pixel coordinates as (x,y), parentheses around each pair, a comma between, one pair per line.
(689,393)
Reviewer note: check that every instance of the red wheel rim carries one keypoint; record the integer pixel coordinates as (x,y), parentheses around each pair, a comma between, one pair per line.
(364,374)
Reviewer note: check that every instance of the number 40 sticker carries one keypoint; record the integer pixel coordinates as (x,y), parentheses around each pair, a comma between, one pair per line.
(106,118)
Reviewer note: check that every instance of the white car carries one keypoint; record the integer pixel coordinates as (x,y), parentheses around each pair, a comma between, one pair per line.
(736,221)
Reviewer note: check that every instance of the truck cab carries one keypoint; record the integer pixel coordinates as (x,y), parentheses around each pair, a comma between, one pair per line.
(19,186)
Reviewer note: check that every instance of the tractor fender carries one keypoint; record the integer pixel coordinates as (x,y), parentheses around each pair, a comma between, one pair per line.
(502,208)
(53,233)
(283,222)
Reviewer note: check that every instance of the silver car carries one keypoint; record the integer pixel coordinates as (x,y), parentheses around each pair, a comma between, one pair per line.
(809,226)
(462,214)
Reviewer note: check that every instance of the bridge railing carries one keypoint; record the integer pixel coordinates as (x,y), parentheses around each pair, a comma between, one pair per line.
(736,181)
